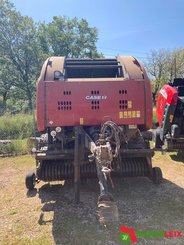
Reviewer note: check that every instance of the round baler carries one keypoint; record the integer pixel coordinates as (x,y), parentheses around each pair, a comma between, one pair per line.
(94,115)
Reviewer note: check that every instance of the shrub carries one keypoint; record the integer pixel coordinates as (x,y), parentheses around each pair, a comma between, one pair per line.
(14,147)
(18,126)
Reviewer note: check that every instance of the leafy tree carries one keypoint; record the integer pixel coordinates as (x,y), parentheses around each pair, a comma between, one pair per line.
(164,65)
(157,66)
(71,37)
(177,64)
(18,43)
(24,46)
(43,41)
(6,83)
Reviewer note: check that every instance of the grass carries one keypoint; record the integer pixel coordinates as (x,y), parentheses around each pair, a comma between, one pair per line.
(15,147)
(27,241)
(18,126)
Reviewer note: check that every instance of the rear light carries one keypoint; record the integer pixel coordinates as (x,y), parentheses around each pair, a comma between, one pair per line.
(58,75)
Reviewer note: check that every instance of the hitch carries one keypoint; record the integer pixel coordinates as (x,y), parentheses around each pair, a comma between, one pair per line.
(107,208)
(103,159)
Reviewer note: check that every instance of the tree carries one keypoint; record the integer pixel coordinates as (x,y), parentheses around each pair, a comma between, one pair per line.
(43,41)
(6,83)
(164,66)
(177,63)
(24,46)
(18,43)
(157,66)
(71,38)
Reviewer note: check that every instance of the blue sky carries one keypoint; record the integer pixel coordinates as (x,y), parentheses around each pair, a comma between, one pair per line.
(127,27)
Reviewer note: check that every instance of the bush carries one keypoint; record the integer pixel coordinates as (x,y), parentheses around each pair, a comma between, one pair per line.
(14,147)
(18,126)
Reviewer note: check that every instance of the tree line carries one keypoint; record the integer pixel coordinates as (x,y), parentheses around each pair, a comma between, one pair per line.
(24,45)
(163,66)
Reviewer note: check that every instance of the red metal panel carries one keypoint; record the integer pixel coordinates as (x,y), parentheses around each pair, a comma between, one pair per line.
(92,103)
(167,95)
(40,104)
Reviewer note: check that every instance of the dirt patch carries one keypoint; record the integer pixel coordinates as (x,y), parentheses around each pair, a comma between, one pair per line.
(48,215)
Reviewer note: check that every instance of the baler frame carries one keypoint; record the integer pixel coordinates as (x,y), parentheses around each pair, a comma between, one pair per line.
(76,143)
(83,142)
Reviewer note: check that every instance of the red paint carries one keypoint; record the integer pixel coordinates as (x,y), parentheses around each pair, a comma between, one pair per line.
(109,107)
(167,95)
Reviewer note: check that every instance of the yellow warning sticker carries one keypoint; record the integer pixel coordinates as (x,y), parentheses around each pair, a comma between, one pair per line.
(120,114)
(129,104)
(138,114)
(133,114)
(81,121)
(125,114)
(130,114)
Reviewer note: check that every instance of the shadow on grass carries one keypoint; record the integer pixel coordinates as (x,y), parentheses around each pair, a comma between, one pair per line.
(142,206)
(31,193)
(178,157)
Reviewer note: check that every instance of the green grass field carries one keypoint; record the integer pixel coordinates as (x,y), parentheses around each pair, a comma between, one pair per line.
(18,126)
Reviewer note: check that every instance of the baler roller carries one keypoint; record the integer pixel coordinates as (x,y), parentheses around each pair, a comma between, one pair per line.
(133,167)
(55,170)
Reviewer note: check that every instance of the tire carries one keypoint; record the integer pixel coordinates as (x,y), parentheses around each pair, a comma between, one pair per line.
(157,175)
(30,181)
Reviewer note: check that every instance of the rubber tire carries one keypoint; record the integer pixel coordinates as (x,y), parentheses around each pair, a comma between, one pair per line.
(157,175)
(30,181)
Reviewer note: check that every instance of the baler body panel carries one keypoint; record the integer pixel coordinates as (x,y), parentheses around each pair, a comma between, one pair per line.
(92,103)
(92,92)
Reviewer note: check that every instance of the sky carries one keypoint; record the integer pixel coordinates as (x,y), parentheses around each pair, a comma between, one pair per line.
(125,27)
